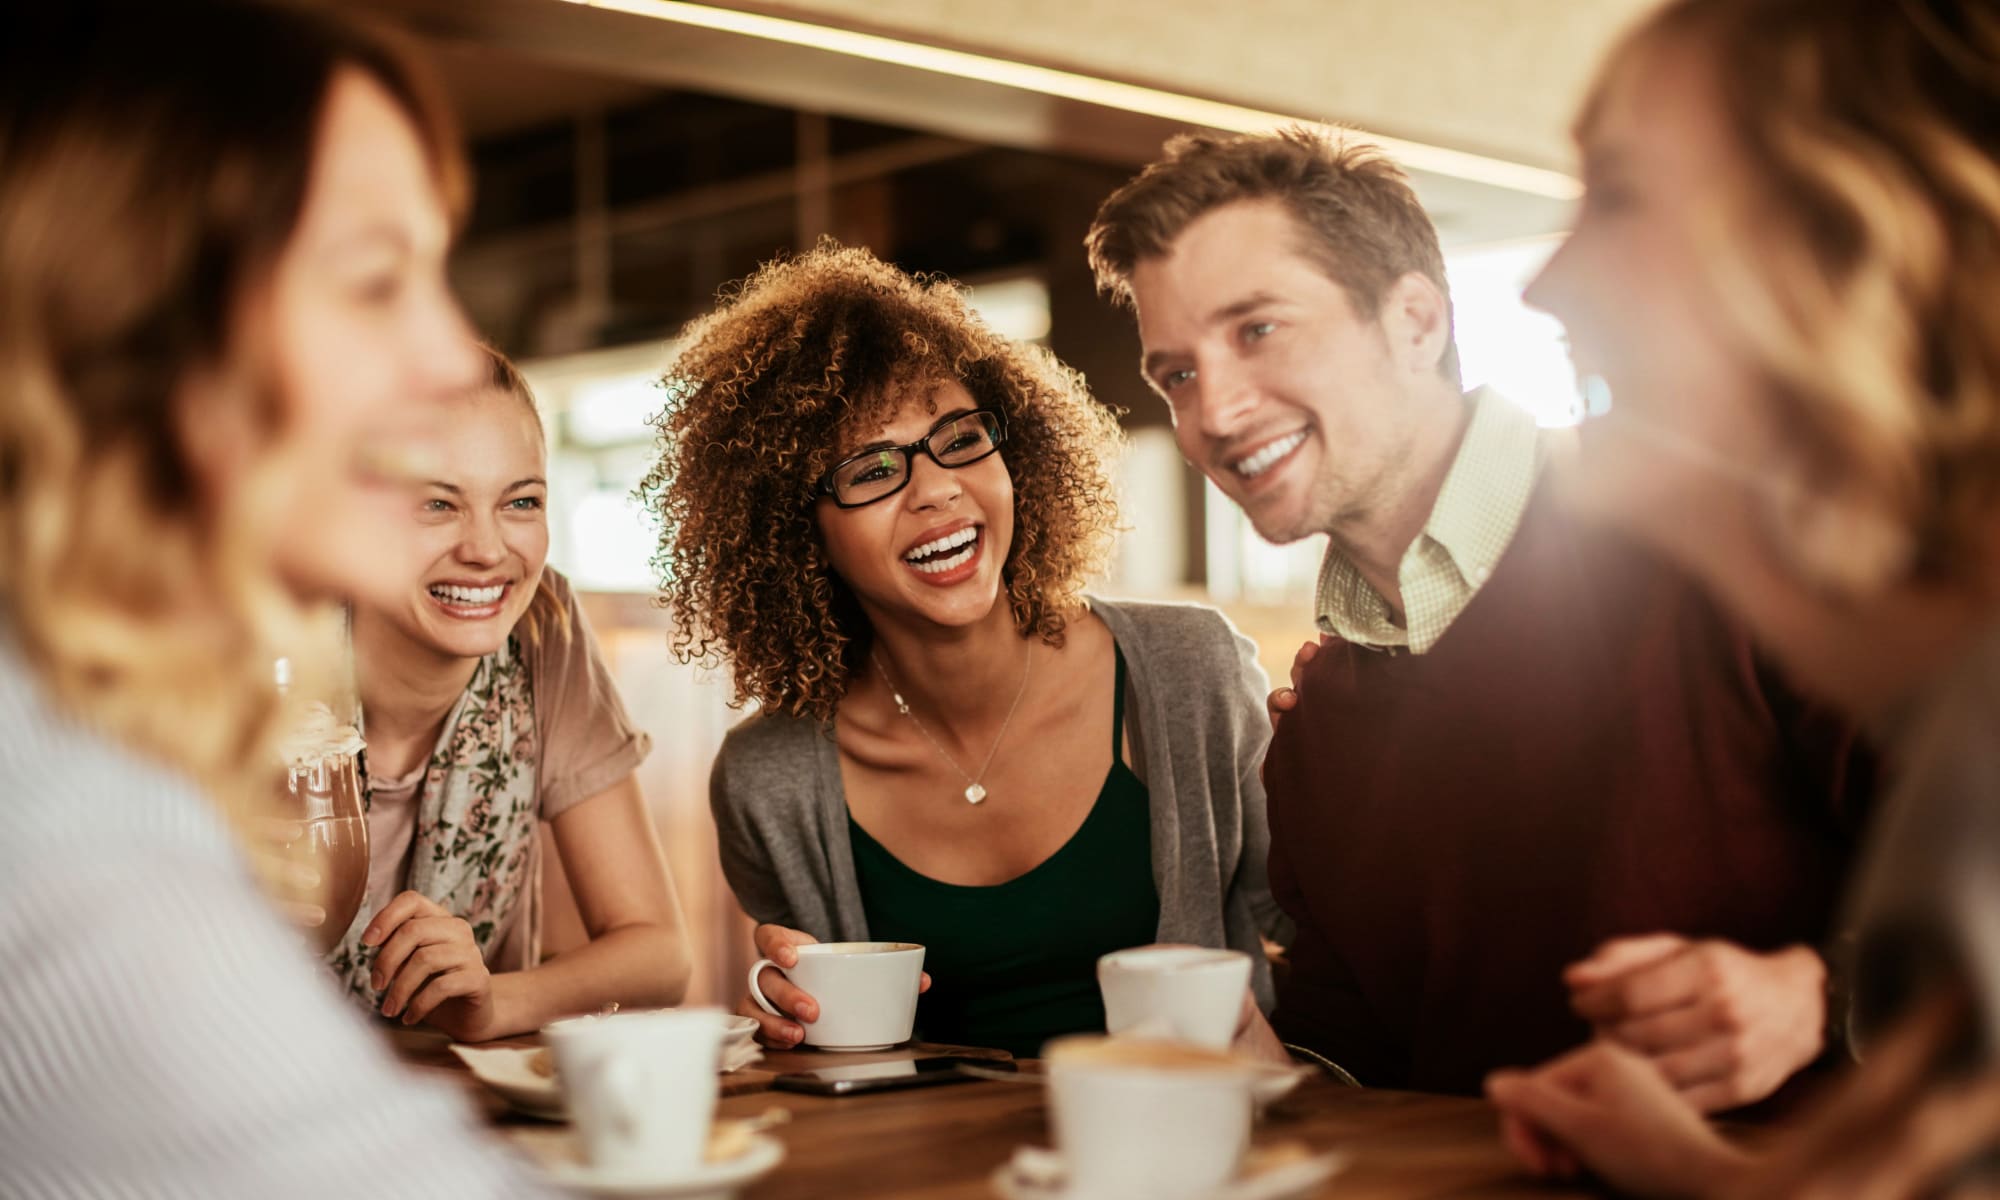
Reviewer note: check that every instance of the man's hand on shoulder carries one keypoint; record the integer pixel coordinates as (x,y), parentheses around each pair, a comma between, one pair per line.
(1725,1025)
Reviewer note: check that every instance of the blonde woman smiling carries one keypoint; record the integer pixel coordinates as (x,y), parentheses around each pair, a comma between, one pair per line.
(488,710)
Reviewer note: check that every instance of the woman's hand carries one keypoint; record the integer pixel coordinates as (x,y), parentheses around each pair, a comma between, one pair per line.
(1285,699)
(1725,1024)
(432,968)
(780,945)
(1610,1109)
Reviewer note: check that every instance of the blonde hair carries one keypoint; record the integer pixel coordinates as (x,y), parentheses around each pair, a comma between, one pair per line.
(1856,253)
(145,197)
(547,616)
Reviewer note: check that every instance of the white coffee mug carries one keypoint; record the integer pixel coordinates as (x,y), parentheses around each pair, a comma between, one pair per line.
(1167,1129)
(641,1086)
(866,991)
(1189,993)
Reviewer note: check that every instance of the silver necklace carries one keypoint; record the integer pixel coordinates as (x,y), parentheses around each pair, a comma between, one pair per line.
(975,792)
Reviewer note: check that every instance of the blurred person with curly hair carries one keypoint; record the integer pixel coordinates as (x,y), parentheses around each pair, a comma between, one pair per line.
(882,515)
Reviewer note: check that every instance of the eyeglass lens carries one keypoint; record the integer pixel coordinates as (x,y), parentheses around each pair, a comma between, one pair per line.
(876,474)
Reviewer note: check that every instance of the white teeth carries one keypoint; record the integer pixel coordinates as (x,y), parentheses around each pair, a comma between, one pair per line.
(942,565)
(947,542)
(1262,461)
(453,594)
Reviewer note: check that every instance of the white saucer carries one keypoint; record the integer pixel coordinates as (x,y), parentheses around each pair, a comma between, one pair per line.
(1037,1174)
(710,1181)
(510,1071)
(1273,1083)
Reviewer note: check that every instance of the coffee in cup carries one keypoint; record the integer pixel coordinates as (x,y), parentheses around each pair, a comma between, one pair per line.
(1135,1117)
(1187,993)
(641,1086)
(866,991)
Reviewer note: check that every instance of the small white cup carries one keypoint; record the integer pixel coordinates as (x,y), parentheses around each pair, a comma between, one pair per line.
(867,992)
(1189,993)
(641,1086)
(1158,1120)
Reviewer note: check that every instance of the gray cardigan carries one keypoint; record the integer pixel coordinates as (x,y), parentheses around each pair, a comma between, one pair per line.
(1195,717)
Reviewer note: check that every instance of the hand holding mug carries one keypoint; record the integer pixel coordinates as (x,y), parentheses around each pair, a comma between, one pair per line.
(779,944)
(796,1007)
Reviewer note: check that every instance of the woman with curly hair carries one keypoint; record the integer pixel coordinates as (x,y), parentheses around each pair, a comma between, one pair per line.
(882,515)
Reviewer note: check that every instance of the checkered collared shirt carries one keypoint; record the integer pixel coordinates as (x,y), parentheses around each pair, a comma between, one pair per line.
(1471,524)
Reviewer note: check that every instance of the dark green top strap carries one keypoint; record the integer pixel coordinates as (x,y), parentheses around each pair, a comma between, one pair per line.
(1015,964)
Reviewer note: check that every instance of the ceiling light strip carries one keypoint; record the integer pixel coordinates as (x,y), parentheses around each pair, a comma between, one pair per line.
(1047,81)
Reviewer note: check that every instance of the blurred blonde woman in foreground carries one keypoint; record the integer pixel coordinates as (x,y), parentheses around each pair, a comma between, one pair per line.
(222,237)
(1785,270)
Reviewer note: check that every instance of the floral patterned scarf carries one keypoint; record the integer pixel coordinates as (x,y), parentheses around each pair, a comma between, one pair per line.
(475,818)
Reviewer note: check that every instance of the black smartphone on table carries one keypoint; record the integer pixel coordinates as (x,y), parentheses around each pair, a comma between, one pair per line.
(886,1076)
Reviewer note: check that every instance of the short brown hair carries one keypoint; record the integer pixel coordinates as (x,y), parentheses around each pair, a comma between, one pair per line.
(757,398)
(1357,214)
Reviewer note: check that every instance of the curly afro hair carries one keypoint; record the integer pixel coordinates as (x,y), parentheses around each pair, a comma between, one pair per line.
(757,399)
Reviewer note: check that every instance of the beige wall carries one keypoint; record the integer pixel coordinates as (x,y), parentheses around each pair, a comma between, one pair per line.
(684,710)
(1493,76)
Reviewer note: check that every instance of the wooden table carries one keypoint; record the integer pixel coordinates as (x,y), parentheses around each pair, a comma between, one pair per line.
(944,1143)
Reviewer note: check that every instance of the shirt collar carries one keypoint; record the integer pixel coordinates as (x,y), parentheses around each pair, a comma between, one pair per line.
(1473,520)
(1487,488)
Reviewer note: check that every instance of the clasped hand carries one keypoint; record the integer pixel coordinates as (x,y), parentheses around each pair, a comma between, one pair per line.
(1726,1026)
(431,967)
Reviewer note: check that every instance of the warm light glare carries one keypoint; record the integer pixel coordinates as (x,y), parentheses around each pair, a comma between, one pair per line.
(1502,343)
(1171,106)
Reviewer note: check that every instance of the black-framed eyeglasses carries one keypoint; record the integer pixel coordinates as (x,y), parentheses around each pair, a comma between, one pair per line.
(957,441)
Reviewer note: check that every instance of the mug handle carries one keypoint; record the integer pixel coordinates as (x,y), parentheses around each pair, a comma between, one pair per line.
(757,993)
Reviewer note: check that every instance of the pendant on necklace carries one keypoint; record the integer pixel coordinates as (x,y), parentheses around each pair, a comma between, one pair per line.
(974,794)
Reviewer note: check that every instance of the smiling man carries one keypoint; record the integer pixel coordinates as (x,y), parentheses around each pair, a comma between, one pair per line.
(1534,785)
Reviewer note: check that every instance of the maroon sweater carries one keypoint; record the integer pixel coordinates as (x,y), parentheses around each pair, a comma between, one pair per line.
(1590,751)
